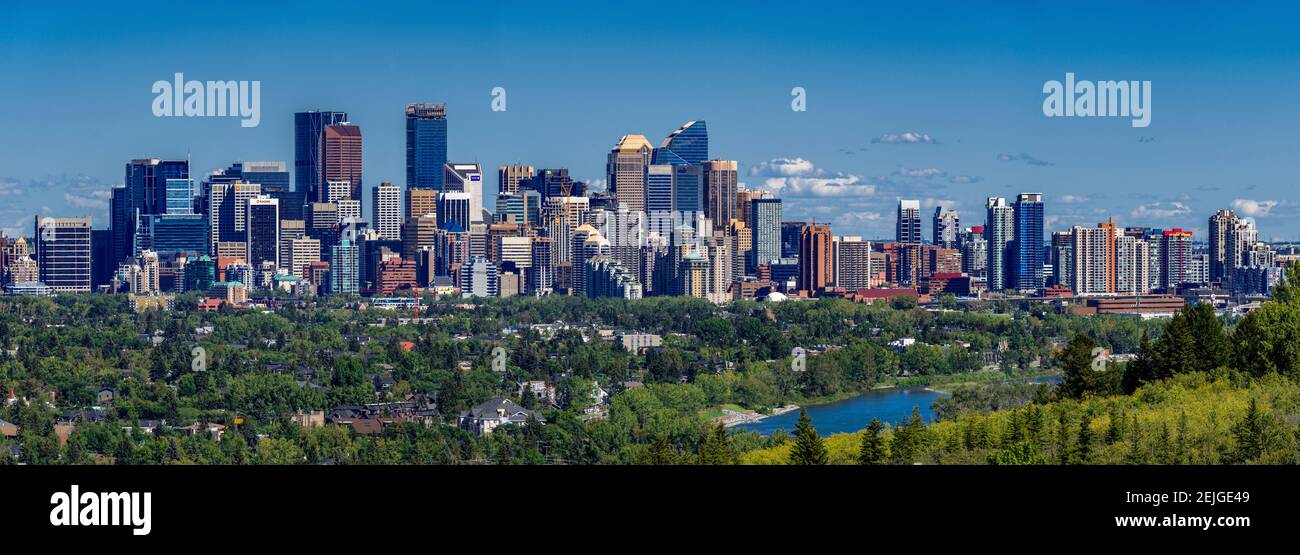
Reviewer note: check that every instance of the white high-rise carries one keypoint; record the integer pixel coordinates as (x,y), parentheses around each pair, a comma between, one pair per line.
(386,207)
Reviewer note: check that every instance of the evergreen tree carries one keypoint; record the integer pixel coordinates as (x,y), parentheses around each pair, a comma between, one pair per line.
(660,452)
(1143,368)
(808,446)
(1210,344)
(909,439)
(1085,440)
(1077,362)
(873,444)
(717,448)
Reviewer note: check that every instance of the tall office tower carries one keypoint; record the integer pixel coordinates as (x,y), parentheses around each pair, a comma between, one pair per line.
(765,218)
(659,188)
(337,190)
(625,171)
(1093,268)
(349,212)
(420,202)
(122,222)
(517,250)
(145,193)
(688,188)
(342,158)
(852,262)
(302,252)
(689,144)
(345,264)
(946,227)
(309,150)
(63,253)
(743,199)
(742,242)
(454,210)
(791,233)
(227,209)
(1027,253)
(101,258)
(418,233)
(587,244)
(1132,266)
(523,209)
(816,263)
(386,209)
(1176,258)
(479,278)
(1242,240)
(289,231)
(975,251)
(173,233)
(272,175)
(1222,225)
(541,276)
(909,221)
(263,231)
(468,179)
(1061,257)
(179,196)
(998,232)
(509,178)
(626,232)
(322,218)
(426,144)
(554,182)
(719,191)
(563,215)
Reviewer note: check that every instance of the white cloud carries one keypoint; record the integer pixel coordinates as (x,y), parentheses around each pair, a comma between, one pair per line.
(800,178)
(1254,208)
(1023,157)
(965,179)
(1161,210)
(1073,199)
(84,202)
(907,138)
(920,172)
(934,202)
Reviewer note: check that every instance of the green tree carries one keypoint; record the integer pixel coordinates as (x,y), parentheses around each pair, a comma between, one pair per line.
(716,448)
(909,440)
(808,446)
(873,444)
(1077,362)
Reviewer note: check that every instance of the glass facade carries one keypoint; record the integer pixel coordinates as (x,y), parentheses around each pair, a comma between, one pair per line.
(426,144)
(689,144)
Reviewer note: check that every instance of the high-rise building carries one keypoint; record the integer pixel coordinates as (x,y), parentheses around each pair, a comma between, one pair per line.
(302,252)
(1176,258)
(386,207)
(909,221)
(479,278)
(263,231)
(63,253)
(1027,252)
(342,160)
(272,175)
(468,179)
(719,191)
(1241,242)
(227,209)
(553,182)
(145,192)
(765,220)
(309,150)
(1061,257)
(946,227)
(625,171)
(454,211)
(345,261)
(179,196)
(426,144)
(420,232)
(791,233)
(974,251)
(1092,266)
(816,262)
(999,232)
(1222,225)
(626,232)
(1132,266)
(420,202)
(852,262)
(689,144)
(659,188)
(510,177)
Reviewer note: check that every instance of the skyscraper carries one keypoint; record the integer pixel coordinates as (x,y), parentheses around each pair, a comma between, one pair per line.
(309,150)
(765,215)
(454,211)
(1176,259)
(999,232)
(272,175)
(145,193)
(426,144)
(946,227)
(1222,224)
(468,179)
(342,159)
(63,253)
(386,207)
(659,188)
(509,178)
(625,171)
(909,221)
(689,144)
(719,191)
(1027,256)
(816,261)
(852,263)
(263,230)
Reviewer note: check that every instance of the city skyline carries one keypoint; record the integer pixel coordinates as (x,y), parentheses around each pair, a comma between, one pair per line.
(876,129)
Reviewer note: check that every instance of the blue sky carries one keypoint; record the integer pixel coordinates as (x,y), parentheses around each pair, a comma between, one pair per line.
(580,75)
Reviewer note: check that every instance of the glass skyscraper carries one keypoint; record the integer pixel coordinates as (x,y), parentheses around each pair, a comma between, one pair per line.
(1027,249)
(689,144)
(426,144)
(765,213)
(309,148)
